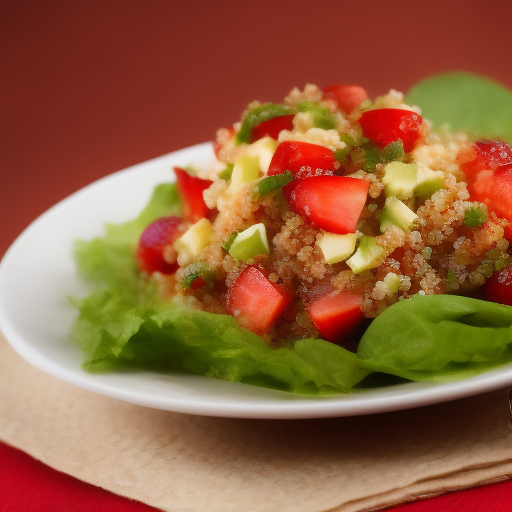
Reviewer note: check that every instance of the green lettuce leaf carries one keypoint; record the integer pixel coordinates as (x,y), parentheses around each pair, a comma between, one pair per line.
(465,102)
(438,337)
(128,326)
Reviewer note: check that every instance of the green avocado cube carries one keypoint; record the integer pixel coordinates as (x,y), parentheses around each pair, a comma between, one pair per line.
(245,170)
(249,243)
(428,182)
(264,150)
(400,179)
(196,238)
(336,248)
(396,213)
(369,255)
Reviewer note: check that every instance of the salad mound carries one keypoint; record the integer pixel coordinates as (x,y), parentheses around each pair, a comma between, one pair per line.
(334,237)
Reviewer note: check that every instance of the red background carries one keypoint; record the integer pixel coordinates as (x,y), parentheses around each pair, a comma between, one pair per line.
(91,87)
(88,88)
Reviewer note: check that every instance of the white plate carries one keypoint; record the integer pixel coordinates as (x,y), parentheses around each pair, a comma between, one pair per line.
(37,275)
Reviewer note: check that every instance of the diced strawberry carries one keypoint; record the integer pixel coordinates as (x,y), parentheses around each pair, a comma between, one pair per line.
(191,192)
(336,316)
(333,203)
(494,188)
(160,233)
(256,300)
(197,283)
(303,159)
(348,97)
(501,201)
(485,155)
(488,168)
(386,125)
(272,127)
(498,288)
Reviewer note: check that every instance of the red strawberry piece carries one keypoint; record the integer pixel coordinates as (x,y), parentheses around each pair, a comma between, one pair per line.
(386,125)
(191,192)
(160,233)
(348,97)
(336,316)
(256,300)
(502,192)
(494,188)
(197,283)
(272,127)
(501,199)
(485,155)
(332,203)
(302,159)
(498,288)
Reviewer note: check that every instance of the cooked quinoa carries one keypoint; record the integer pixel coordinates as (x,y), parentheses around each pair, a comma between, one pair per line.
(440,252)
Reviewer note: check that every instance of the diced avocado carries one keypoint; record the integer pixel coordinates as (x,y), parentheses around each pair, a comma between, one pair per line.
(264,149)
(400,179)
(369,255)
(196,238)
(336,248)
(393,282)
(398,214)
(249,243)
(428,182)
(246,169)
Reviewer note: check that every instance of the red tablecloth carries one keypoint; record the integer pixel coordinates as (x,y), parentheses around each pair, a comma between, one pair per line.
(27,485)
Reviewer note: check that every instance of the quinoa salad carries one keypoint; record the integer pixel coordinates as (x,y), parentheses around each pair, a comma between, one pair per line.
(321,213)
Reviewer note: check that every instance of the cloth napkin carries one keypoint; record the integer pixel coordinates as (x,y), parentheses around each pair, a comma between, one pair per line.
(180,462)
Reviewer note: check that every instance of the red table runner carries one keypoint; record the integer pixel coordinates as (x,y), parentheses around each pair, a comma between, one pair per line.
(27,485)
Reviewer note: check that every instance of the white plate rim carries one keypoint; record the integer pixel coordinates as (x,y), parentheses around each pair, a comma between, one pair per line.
(236,400)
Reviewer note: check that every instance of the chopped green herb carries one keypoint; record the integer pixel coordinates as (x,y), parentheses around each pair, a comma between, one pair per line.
(342,153)
(347,139)
(196,270)
(394,151)
(227,172)
(322,116)
(371,157)
(229,242)
(368,155)
(474,217)
(272,183)
(257,116)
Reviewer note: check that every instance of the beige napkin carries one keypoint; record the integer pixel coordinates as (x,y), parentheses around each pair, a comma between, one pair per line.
(180,462)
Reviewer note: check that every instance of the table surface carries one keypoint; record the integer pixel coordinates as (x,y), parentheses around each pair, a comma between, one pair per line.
(92,87)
